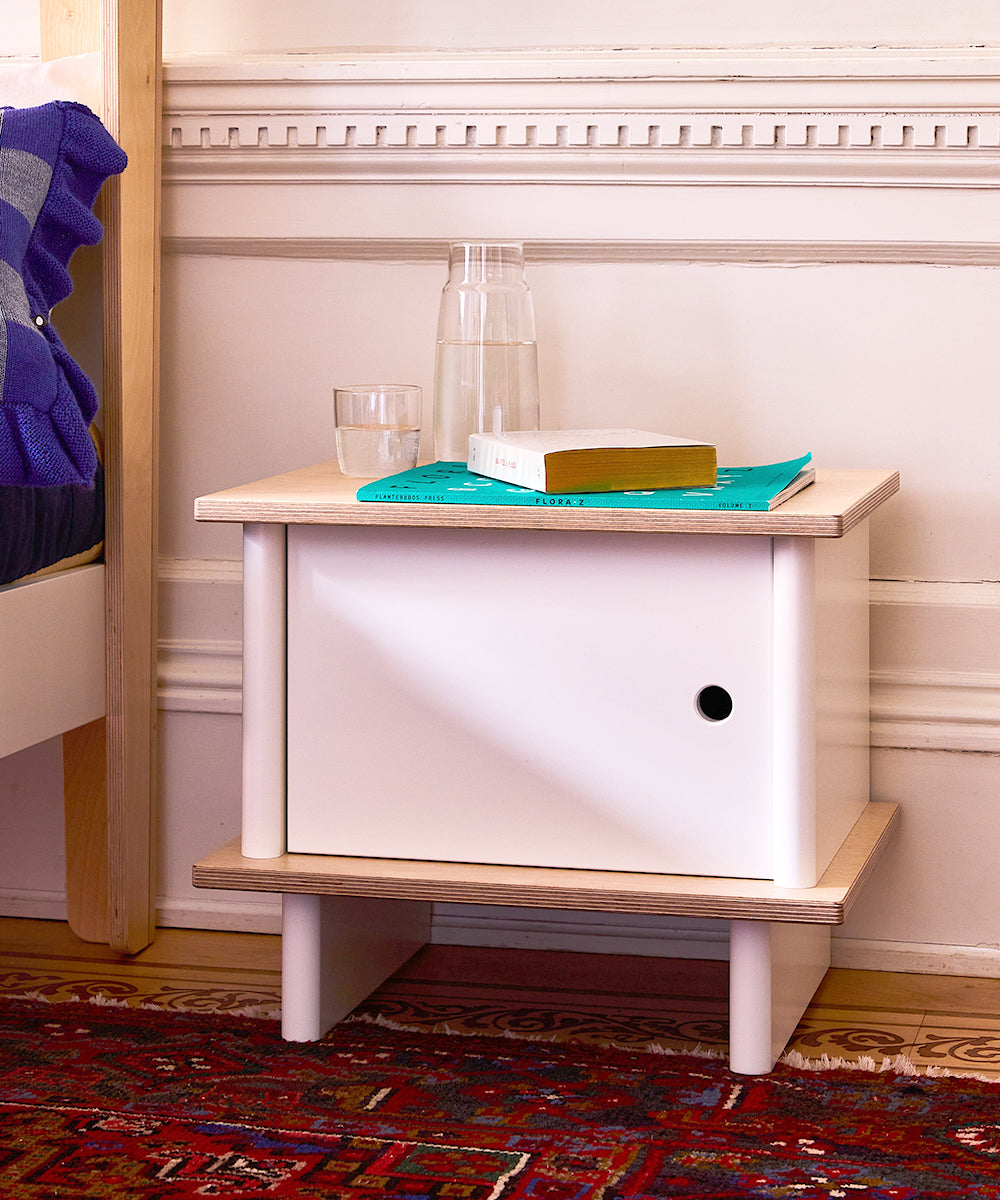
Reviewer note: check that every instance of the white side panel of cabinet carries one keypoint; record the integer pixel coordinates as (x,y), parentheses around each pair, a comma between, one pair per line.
(843,709)
(530,698)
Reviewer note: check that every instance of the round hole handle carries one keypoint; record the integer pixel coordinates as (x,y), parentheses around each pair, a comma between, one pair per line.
(714,703)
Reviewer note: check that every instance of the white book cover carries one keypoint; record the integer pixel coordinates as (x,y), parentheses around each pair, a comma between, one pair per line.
(518,457)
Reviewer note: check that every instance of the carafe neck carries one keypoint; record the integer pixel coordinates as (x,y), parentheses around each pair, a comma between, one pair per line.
(486,262)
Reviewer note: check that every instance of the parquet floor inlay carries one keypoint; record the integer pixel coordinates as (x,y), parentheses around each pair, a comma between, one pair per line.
(935,1021)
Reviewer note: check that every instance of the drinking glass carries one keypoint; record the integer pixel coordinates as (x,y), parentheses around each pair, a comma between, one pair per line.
(378,428)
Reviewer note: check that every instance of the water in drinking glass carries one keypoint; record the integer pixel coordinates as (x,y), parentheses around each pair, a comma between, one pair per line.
(370,451)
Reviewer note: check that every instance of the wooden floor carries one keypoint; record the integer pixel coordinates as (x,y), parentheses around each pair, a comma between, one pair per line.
(944,1021)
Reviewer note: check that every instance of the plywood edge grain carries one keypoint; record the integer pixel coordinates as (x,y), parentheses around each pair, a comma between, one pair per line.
(320,495)
(861,851)
(867,504)
(542,887)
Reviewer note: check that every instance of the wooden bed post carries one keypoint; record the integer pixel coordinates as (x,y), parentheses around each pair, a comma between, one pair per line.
(127,32)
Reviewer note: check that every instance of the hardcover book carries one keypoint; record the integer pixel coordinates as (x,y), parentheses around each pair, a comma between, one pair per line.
(592,460)
(754,489)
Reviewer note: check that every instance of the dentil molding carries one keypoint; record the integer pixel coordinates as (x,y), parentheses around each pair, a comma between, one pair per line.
(828,117)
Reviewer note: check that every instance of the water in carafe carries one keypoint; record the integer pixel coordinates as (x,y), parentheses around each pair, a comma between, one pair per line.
(486,365)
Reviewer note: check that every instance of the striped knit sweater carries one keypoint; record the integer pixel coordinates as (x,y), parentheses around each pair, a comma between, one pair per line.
(53,161)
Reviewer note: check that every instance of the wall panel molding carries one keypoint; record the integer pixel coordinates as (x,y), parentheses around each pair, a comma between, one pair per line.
(773,252)
(200,665)
(929,710)
(934,681)
(200,675)
(936,710)
(917,703)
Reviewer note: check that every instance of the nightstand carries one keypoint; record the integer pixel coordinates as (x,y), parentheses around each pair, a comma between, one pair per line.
(611,710)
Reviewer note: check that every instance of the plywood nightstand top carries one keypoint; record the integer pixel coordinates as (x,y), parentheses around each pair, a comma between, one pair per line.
(321,495)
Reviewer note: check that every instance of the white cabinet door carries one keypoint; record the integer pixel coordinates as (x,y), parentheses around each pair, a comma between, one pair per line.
(534,698)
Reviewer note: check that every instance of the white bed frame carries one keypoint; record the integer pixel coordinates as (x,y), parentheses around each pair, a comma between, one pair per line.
(89,672)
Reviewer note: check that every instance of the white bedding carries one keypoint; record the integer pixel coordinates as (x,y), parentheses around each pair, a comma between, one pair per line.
(77,77)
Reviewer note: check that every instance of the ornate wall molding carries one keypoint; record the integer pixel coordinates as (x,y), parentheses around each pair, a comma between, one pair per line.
(825,118)
(596,129)
(899,149)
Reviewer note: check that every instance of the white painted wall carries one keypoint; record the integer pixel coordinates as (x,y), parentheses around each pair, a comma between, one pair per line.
(775,290)
(208,26)
(20,29)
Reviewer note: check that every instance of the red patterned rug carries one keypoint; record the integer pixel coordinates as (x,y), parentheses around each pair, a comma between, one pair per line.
(116,1102)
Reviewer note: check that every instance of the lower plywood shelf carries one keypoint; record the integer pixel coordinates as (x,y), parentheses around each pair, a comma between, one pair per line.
(540,887)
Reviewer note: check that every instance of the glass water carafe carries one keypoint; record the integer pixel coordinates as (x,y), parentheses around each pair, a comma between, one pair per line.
(486,366)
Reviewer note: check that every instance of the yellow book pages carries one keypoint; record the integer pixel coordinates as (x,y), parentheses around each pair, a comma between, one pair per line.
(592,460)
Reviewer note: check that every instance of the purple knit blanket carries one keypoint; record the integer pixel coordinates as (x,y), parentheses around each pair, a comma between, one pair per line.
(53,161)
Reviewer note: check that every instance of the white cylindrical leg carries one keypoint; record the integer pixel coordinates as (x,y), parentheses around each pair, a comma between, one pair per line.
(774,971)
(750,1000)
(302,968)
(793,708)
(263,690)
(335,950)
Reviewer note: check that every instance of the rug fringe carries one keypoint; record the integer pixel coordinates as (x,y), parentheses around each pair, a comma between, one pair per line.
(254,1012)
(898,1065)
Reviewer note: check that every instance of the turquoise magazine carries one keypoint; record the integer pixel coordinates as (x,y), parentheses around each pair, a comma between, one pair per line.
(753,489)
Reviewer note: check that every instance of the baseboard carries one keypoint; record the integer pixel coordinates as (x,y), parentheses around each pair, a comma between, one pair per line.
(33,905)
(979,962)
(459,925)
(241,913)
